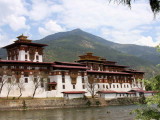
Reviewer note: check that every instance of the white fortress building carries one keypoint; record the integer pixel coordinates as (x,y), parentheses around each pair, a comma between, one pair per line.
(24,74)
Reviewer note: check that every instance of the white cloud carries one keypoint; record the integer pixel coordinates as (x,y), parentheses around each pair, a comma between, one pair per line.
(129,37)
(12,13)
(97,13)
(114,22)
(41,9)
(17,22)
(146,41)
(121,36)
(50,27)
(5,40)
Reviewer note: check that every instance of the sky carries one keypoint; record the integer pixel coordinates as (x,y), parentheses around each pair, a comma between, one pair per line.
(114,22)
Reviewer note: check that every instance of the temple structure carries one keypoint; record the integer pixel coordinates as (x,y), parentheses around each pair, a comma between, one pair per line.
(24,74)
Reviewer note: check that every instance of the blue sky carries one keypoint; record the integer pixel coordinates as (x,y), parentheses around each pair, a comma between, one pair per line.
(117,23)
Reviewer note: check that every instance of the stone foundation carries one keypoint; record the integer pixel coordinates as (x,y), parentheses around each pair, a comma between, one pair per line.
(50,103)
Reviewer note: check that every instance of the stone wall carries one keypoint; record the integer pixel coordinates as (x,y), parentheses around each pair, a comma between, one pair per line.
(40,104)
(125,101)
(51,103)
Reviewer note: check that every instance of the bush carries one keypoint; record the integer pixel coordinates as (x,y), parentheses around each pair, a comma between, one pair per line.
(98,102)
(88,103)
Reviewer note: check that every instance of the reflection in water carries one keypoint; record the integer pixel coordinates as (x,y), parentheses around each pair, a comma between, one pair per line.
(92,113)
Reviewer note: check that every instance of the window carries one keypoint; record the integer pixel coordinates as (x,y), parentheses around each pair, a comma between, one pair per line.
(82,79)
(98,85)
(117,86)
(124,86)
(37,57)
(83,86)
(113,86)
(0,79)
(26,80)
(63,86)
(26,57)
(53,87)
(103,86)
(63,77)
(42,85)
(74,86)
(35,80)
(107,86)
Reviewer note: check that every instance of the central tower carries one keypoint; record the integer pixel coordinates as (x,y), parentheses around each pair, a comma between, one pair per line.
(24,50)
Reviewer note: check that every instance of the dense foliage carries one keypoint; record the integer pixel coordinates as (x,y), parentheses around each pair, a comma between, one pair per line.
(152,109)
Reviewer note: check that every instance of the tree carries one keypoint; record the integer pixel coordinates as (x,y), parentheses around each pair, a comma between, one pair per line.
(154,4)
(37,79)
(19,81)
(92,85)
(150,111)
(20,85)
(4,77)
(10,84)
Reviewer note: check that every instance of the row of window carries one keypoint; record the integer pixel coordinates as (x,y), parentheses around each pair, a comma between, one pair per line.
(114,86)
(25,80)
(63,79)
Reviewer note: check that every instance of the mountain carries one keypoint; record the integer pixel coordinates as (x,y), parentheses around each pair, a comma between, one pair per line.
(67,46)
(143,52)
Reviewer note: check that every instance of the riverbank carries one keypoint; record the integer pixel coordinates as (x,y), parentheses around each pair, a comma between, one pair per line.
(51,103)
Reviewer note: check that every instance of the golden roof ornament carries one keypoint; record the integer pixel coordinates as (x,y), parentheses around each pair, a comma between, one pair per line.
(23,38)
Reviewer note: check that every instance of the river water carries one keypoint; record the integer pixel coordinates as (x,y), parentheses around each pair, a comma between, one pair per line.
(90,113)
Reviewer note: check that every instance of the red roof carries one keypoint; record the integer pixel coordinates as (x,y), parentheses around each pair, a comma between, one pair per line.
(92,71)
(74,92)
(66,66)
(25,43)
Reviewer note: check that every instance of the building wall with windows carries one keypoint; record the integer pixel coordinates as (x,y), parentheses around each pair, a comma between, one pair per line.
(25,67)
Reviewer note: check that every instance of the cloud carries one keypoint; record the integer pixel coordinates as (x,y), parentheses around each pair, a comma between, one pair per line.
(91,14)
(13,13)
(50,27)
(18,22)
(121,36)
(41,9)
(129,37)
(111,21)
(5,39)
(146,41)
